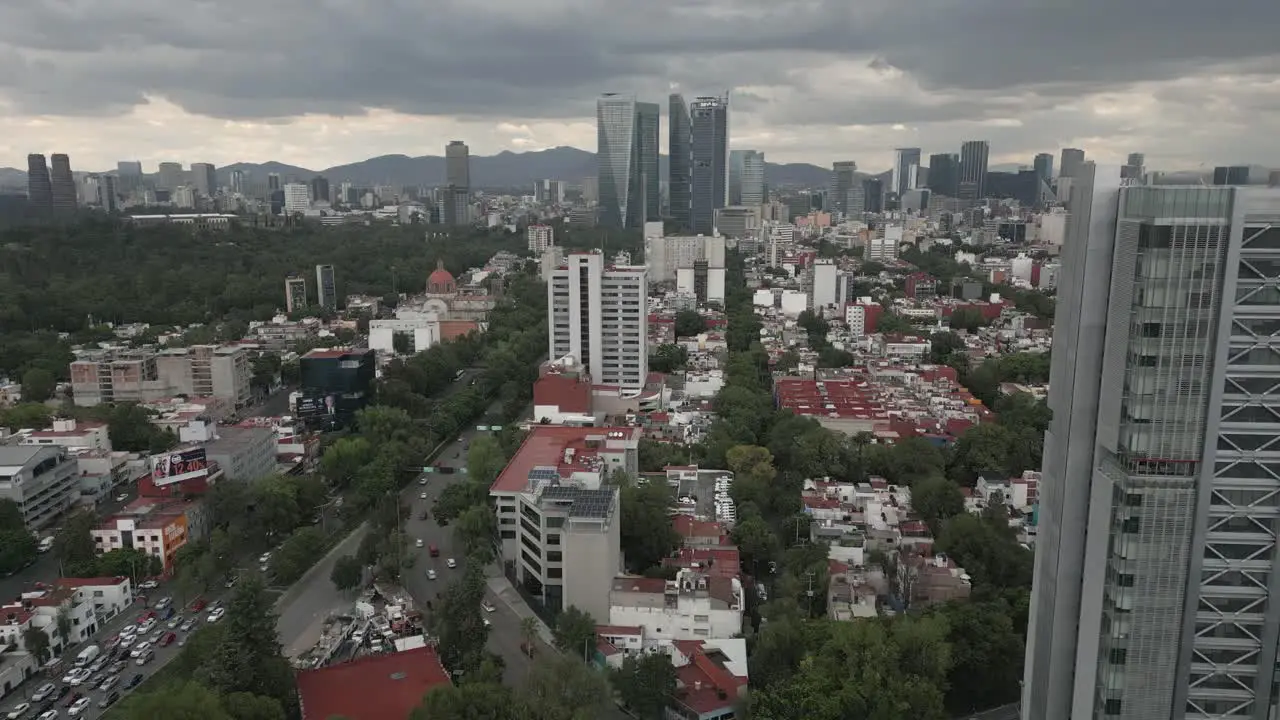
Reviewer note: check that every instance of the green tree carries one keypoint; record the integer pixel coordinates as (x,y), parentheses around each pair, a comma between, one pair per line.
(477,529)
(247,706)
(32,415)
(986,653)
(38,385)
(37,642)
(983,449)
(989,551)
(646,684)
(485,459)
(668,358)
(247,658)
(343,460)
(74,546)
(935,499)
(562,688)
(456,498)
(180,701)
(575,632)
(528,632)
(756,541)
(129,428)
(468,701)
(297,554)
(967,318)
(347,572)
(689,323)
(18,547)
(646,534)
(459,625)
(128,562)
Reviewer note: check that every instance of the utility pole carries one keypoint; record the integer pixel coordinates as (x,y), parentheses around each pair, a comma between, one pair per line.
(809,593)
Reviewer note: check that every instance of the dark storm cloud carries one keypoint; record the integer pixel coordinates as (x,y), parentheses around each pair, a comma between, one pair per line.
(549,58)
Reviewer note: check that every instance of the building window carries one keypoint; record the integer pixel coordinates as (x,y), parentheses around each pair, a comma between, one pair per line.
(1118,656)
(555,556)
(1131,525)
(508,534)
(553,539)
(1112,707)
(554,573)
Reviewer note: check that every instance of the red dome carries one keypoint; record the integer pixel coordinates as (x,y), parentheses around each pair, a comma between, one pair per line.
(440,280)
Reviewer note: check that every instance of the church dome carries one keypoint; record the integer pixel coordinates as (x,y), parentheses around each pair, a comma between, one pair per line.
(440,281)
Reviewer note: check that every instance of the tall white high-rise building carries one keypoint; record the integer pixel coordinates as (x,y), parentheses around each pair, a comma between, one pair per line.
(1160,497)
(906,170)
(825,273)
(599,315)
(297,198)
(326,287)
(540,237)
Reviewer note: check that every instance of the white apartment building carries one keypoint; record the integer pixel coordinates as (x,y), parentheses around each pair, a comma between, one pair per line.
(223,372)
(599,315)
(664,256)
(40,609)
(297,198)
(109,596)
(884,247)
(72,435)
(41,479)
(825,274)
(691,607)
(540,238)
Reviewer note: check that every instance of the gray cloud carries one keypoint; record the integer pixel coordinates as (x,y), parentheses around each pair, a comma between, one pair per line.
(962,61)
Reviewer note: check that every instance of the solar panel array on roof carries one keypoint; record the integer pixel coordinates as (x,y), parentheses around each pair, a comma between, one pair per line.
(592,504)
(543,476)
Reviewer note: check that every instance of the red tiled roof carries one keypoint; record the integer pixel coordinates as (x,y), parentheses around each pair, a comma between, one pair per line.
(718,561)
(688,526)
(378,687)
(703,681)
(87,582)
(19,614)
(640,584)
(615,630)
(545,446)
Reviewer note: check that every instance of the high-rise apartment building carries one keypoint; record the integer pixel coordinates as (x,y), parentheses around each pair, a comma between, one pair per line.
(746,178)
(39,186)
(627,160)
(273,181)
(872,195)
(1159,502)
(973,169)
(549,192)
(599,315)
(326,287)
(295,293)
(171,176)
(1069,165)
(297,198)
(239,181)
(223,372)
(844,183)
(62,183)
(540,237)
(455,205)
(709,190)
(906,170)
(204,179)
(680,157)
(944,174)
(457,165)
(108,195)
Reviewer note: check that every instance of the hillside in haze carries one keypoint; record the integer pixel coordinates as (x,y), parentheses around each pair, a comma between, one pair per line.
(504,170)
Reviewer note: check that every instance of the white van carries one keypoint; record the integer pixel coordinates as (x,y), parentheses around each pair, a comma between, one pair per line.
(88,655)
(46,544)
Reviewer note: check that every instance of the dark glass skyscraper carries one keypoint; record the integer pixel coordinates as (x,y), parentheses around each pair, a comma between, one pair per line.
(1043,165)
(709,117)
(1072,159)
(973,169)
(944,174)
(39,189)
(62,183)
(680,156)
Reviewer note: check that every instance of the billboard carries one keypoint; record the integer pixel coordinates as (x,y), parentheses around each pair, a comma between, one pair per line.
(310,406)
(177,466)
(175,533)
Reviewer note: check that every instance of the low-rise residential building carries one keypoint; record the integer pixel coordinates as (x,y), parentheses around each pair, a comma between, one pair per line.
(41,479)
(711,678)
(157,527)
(73,435)
(694,606)
(111,376)
(374,687)
(102,472)
(41,609)
(109,596)
(220,371)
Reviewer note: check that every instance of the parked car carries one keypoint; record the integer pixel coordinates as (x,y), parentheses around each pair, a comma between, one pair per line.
(431,574)
(140,649)
(488,606)
(148,585)
(418,542)
(175,622)
(216,615)
(198,604)
(451,563)
(187,625)
(162,603)
(110,682)
(18,711)
(146,657)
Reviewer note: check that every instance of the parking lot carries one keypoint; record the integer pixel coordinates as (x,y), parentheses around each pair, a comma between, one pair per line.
(134,645)
(710,489)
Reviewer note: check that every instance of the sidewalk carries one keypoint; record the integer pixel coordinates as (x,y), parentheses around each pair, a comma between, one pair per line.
(501,587)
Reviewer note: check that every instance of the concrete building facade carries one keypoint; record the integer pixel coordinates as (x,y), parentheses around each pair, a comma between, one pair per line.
(600,316)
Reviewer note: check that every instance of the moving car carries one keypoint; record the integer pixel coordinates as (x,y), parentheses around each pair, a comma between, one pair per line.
(146,657)
(433,551)
(198,604)
(431,574)
(163,603)
(109,700)
(418,542)
(148,585)
(18,711)
(140,649)
(122,497)
(109,683)
(451,563)
(175,623)
(187,625)
(78,707)
(488,606)
(168,639)
(51,714)
(422,496)
(136,680)
(422,480)
(76,676)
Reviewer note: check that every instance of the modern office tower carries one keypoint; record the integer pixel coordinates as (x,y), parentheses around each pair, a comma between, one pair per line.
(204,178)
(599,316)
(906,170)
(1156,546)
(62,183)
(944,174)
(844,177)
(746,177)
(295,293)
(297,198)
(1136,160)
(709,189)
(872,195)
(326,287)
(1072,159)
(273,181)
(457,165)
(455,205)
(973,169)
(627,160)
(1241,175)
(320,188)
(549,192)
(239,181)
(39,186)
(171,176)
(680,157)
(108,193)
(1043,165)
(128,176)
(1135,166)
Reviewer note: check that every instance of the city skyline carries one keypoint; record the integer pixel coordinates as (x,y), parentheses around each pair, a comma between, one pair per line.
(144,85)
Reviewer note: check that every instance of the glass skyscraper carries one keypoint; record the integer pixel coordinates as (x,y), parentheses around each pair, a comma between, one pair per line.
(709,118)
(627,160)
(1160,497)
(679,156)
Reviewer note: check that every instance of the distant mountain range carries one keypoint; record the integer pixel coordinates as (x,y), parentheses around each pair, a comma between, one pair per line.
(504,170)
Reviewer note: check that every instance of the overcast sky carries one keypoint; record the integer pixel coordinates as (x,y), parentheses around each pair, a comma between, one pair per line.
(322,82)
